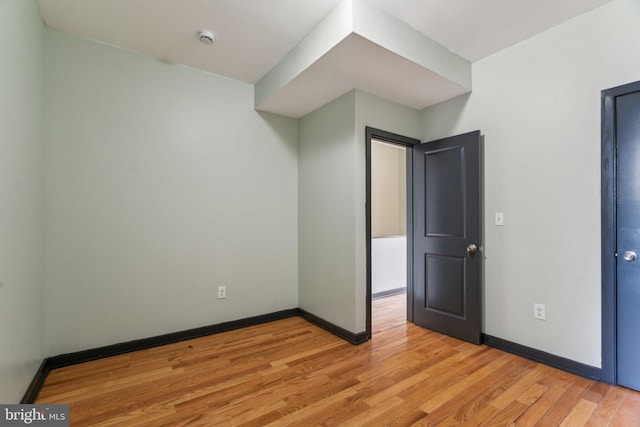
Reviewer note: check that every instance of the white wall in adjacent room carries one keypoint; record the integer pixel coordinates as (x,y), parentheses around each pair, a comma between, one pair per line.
(388,263)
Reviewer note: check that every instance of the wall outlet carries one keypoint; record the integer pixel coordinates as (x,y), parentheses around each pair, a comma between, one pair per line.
(539,311)
(222,292)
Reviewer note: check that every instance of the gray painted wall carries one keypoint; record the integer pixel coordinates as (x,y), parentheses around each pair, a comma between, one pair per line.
(332,237)
(163,183)
(21,189)
(538,105)
(326,208)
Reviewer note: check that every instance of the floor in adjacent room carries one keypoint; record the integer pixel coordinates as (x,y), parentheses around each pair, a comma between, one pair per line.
(290,372)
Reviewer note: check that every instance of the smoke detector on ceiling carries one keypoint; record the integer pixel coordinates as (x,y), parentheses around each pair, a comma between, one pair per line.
(206,36)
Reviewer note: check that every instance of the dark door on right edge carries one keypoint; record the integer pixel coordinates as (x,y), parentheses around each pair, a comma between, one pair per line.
(446,236)
(627,110)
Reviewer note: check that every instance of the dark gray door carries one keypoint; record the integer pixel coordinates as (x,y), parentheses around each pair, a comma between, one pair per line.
(446,236)
(628,238)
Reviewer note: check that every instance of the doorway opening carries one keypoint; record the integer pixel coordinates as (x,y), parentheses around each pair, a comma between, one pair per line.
(388,217)
(388,231)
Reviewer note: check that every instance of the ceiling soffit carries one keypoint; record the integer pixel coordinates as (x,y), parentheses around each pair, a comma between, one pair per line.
(357,46)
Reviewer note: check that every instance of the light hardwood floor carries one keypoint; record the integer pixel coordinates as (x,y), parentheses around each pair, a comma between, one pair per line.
(290,372)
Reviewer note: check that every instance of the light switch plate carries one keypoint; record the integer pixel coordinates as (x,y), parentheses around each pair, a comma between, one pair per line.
(499,218)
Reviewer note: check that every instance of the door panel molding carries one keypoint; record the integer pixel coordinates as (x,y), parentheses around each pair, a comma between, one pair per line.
(448,301)
(435,220)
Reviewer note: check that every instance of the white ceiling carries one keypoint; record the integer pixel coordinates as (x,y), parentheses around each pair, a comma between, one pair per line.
(475,29)
(254,36)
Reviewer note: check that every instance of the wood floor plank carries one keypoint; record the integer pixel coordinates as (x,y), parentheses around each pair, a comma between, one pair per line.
(540,407)
(556,414)
(596,392)
(465,405)
(171,391)
(397,387)
(511,394)
(607,408)
(290,372)
(507,415)
(531,396)
(449,393)
(306,413)
(373,412)
(307,397)
(116,375)
(128,419)
(405,416)
(117,385)
(628,413)
(579,414)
